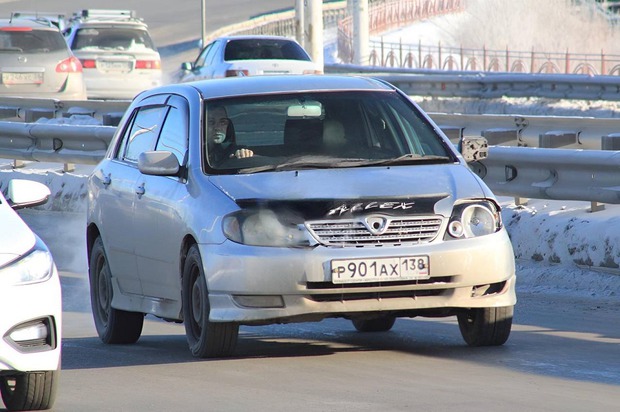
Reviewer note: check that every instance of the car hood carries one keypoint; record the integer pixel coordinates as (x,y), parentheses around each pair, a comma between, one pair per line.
(16,238)
(441,183)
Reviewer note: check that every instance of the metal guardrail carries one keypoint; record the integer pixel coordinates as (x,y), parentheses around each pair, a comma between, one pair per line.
(29,110)
(486,85)
(554,174)
(71,143)
(57,143)
(561,174)
(551,132)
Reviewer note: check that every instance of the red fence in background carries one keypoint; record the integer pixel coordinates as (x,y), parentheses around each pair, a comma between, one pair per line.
(394,14)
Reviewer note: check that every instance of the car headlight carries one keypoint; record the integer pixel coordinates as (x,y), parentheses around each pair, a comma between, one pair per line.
(35,267)
(474,219)
(264,228)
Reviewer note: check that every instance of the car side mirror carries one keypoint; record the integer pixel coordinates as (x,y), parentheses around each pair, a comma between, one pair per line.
(158,163)
(473,148)
(26,193)
(187,66)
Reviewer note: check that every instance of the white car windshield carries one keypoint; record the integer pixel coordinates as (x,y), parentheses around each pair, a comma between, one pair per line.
(317,130)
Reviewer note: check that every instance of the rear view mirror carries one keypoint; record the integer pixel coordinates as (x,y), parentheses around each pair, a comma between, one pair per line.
(474,148)
(305,111)
(26,193)
(187,66)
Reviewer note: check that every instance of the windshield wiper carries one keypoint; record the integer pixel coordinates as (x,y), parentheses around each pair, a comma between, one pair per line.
(335,163)
(408,158)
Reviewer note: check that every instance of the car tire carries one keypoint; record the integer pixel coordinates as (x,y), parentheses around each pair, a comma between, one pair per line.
(486,326)
(29,391)
(206,339)
(381,324)
(113,326)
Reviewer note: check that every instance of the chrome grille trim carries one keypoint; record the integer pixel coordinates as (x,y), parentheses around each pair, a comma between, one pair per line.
(355,233)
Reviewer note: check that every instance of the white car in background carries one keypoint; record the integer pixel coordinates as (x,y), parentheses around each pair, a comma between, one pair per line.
(235,56)
(117,53)
(30,304)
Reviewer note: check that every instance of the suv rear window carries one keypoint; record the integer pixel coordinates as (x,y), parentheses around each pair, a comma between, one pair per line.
(255,49)
(112,38)
(30,41)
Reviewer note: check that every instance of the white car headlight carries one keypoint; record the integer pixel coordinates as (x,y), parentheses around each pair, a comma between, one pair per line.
(264,228)
(37,266)
(474,219)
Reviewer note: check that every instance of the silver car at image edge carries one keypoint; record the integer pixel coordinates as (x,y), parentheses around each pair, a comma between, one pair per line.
(30,304)
(278,199)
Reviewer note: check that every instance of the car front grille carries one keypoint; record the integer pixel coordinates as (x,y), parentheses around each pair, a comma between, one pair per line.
(390,231)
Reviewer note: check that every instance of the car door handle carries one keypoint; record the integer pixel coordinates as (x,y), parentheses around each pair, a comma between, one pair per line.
(140,190)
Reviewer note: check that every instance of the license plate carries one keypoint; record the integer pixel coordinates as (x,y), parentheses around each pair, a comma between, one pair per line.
(380,270)
(22,78)
(111,66)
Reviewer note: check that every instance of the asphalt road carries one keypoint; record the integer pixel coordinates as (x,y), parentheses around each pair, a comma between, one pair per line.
(563,355)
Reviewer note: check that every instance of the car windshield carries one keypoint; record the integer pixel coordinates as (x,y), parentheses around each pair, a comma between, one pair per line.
(30,41)
(264,49)
(112,38)
(318,130)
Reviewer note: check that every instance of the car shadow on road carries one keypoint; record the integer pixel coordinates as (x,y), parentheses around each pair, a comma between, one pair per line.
(527,350)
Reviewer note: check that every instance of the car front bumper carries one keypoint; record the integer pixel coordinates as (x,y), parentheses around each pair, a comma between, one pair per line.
(40,304)
(253,285)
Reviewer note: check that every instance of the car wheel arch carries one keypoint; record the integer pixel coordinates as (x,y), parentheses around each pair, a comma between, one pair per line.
(186,244)
(92,233)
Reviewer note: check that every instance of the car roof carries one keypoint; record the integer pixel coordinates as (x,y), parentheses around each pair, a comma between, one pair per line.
(254,36)
(39,24)
(106,18)
(109,23)
(261,85)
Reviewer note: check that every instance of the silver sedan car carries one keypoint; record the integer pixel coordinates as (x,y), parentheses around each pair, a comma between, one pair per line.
(277,199)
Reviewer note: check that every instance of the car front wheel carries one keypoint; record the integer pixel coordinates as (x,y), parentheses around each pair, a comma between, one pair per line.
(29,391)
(486,326)
(206,339)
(113,325)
